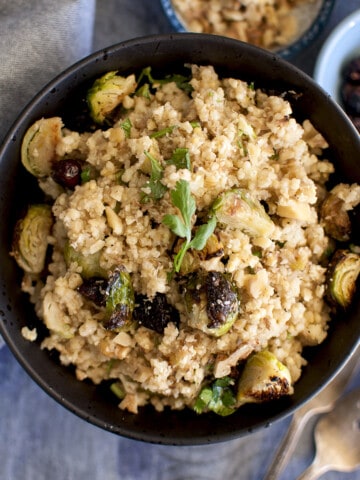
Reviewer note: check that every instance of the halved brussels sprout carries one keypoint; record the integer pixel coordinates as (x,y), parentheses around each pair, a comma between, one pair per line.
(264,378)
(90,264)
(120,301)
(30,239)
(238,210)
(335,218)
(211,301)
(107,93)
(39,145)
(343,271)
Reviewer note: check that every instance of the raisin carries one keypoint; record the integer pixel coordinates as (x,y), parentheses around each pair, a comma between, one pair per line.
(94,289)
(155,313)
(67,173)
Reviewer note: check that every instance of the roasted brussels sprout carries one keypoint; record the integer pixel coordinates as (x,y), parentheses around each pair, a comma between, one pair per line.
(211,301)
(335,218)
(238,210)
(218,397)
(90,264)
(30,239)
(39,145)
(120,301)
(343,271)
(264,378)
(155,313)
(107,93)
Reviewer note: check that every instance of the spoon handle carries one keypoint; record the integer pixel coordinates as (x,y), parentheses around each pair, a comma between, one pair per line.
(288,443)
(321,403)
(313,472)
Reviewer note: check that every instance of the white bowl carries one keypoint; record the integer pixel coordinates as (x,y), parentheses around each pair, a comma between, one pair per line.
(341,46)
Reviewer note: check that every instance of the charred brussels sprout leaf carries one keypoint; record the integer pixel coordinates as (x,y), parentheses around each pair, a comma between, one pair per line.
(264,378)
(38,148)
(335,218)
(155,313)
(90,264)
(107,93)
(211,301)
(30,240)
(343,271)
(218,397)
(238,210)
(120,301)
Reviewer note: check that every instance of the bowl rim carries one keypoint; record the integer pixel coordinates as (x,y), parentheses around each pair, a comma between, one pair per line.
(45,93)
(307,37)
(324,58)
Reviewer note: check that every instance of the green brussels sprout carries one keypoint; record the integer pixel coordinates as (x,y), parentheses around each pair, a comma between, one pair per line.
(30,239)
(218,397)
(335,218)
(343,271)
(238,210)
(264,378)
(211,302)
(119,301)
(107,93)
(90,264)
(38,148)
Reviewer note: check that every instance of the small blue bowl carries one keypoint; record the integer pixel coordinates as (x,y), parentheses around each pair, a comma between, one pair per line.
(340,47)
(306,37)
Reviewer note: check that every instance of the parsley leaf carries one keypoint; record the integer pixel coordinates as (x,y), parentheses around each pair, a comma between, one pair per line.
(181,81)
(182,199)
(126,126)
(180,158)
(157,189)
(218,397)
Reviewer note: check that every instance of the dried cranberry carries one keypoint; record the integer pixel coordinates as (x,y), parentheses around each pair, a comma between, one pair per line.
(351,97)
(94,290)
(67,173)
(352,71)
(155,313)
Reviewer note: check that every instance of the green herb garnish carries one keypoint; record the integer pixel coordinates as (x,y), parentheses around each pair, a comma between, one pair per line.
(181,81)
(126,126)
(181,225)
(157,189)
(218,398)
(180,158)
(163,132)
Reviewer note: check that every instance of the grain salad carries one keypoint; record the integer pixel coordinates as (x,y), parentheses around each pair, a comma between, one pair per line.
(266,23)
(191,238)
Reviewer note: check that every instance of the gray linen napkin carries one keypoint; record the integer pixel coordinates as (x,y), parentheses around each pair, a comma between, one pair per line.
(38,39)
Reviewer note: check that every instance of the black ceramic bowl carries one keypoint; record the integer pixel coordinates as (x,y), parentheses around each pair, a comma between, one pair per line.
(63,95)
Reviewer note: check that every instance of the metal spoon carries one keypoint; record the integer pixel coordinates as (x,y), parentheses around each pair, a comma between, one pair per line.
(337,437)
(323,402)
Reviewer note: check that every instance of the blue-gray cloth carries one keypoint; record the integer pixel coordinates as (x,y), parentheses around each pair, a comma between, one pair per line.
(40,439)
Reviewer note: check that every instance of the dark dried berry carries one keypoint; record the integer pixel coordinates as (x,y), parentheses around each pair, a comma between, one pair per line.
(94,289)
(351,97)
(352,71)
(155,314)
(67,173)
